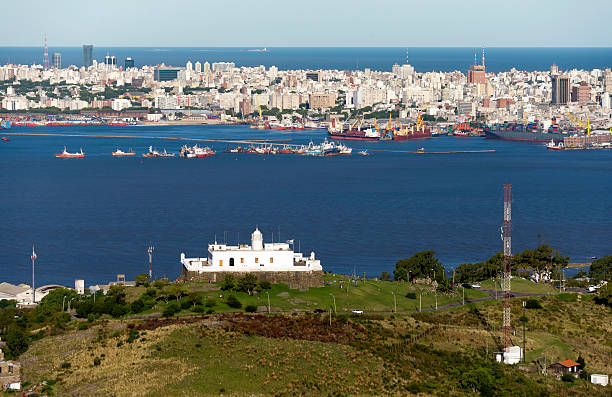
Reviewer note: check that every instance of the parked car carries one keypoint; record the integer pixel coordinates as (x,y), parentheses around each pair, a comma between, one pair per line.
(356,311)
(476,285)
(466,285)
(320,310)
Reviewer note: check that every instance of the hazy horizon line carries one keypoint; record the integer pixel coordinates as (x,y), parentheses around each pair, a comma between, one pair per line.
(307,46)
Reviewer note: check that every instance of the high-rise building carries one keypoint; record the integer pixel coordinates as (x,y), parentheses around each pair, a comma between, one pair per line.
(57,60)
(581,93)
(129,63)
(560,90)
(87,55)
(198,67)
(608,80)
(476,74)
(166,73)
(110,60)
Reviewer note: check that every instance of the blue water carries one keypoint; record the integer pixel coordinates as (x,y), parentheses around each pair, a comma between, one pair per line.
(93,218)
(424,59)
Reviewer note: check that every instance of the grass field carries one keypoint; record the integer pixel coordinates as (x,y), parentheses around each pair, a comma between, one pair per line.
(521,285)
(302,354)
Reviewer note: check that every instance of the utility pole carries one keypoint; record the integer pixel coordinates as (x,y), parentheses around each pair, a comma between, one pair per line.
(269,309)
(150,252)
(394,302)
(33,257)
(463,291)
(524,319)
(507,239)
(436,300)
(420,302)
(335,310)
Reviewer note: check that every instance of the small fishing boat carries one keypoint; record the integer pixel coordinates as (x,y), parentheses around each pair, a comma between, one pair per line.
(121,153)
(363,153)
(67,155)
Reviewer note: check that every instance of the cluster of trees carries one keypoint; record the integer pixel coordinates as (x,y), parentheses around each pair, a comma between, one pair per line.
(423,264)
(541,261)
(248,283)
(601,269)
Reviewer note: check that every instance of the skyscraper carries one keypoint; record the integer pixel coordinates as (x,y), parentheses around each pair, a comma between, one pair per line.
(57,60)
(560,90)
(476,74)
(129,63)
(87,55)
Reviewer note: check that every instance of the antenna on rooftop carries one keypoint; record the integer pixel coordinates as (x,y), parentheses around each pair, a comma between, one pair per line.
(150,252)
(45,55)
(483,56)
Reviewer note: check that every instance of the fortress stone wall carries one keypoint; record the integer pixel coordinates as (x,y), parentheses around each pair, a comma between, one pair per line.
(295,280)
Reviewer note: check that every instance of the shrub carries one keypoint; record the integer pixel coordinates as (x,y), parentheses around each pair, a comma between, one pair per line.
(247,283)
(65,365)
(411,295)
(185,303)
(250,309)
(198,309)
(533,304)
(210,302)
(264,285)
(97,361)
(210,311)
(91,318)
(83,326)
(228,283)
(568,378)
(132,336)
(137,306)
(233,302)
(385,276)
(171,309)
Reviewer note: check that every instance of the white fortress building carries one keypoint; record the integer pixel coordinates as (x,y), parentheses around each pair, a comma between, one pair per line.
(276,262)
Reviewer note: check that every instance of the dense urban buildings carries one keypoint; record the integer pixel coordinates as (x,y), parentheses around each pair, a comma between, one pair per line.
(223,87)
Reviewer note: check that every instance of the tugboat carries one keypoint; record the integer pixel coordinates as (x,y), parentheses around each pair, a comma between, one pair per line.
(5,139)
(421,150)
(121,153)
(67,155)
(552,145)
(363,153)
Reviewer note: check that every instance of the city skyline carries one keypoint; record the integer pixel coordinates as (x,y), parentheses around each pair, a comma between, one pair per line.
(273,23)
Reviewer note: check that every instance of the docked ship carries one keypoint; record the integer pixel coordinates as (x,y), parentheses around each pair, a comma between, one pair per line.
(416,130)
(121,153)
(534,132)
(354,132)
(5,124)
(67,155)
(155,153)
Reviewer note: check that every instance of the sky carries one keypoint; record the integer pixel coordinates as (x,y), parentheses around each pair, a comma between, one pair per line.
(269,23)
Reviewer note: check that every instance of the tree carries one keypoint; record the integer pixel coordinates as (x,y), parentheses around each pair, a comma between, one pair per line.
(16,342)
(580,361)
(57,298)
(601,269)
(171,309)
(478,380)
(541,260)
(385,276)
(228,283)
(419,265)
(142,279)
(247,283)
(116,294)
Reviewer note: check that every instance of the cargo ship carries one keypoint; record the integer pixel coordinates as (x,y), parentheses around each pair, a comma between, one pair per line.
(416,130)
(533,132)
(67,155)
(354,132)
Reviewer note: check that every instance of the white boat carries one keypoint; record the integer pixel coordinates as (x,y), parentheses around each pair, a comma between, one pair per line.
(363,153)
(121,153)
(554,146)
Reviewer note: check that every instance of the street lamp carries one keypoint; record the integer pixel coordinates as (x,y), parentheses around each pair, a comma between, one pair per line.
(394,302)
(335,310)
(269,309)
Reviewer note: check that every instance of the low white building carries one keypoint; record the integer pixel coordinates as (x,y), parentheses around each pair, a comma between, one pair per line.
(21,293)
(599,379)
(257,257)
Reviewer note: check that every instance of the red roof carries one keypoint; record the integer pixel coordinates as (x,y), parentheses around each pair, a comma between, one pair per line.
(569,363)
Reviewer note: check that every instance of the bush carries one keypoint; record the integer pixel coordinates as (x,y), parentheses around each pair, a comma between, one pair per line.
(264,285)
(533,304)
(385,276)
(250,309)
(171,309)
(198,309)
(411,295)
(247,283)
(233,302)
(228,283)
(185,303)
(97,361)
(91,318)
(137,306)
(132,336)
(83,326)
(65,365)
(568,378)
(210,302)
